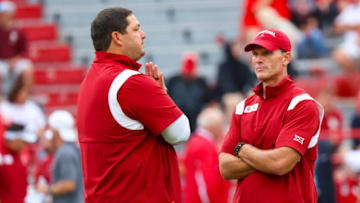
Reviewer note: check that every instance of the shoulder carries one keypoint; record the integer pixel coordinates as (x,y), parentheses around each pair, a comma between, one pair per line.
(240,107)
(139,81)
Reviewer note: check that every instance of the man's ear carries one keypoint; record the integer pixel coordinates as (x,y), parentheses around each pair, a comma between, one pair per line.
(117,38)
(287,58)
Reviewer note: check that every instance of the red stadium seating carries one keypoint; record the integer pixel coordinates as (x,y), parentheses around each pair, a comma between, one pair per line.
(59,76)
(313,85)
(57,99)
(39,31)
(49,52)
(29,11)
(347,85)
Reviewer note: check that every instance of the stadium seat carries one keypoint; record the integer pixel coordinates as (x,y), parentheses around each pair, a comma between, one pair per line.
(347,85)
(313,85)
(39,31)
(56,99)
(52,76)
(49,52)
(33,11)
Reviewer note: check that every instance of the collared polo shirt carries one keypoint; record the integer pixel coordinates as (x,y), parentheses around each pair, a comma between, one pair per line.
(287,116)
(121,113)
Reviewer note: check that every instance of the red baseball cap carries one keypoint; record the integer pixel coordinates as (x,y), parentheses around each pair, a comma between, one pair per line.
(271,40)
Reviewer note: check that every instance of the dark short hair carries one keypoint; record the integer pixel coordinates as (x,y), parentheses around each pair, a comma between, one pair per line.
(106,22)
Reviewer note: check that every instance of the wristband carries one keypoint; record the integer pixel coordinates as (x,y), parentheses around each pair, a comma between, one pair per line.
(237,148)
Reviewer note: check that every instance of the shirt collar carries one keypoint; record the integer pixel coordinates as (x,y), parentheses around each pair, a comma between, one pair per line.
(274,91)
(102,57)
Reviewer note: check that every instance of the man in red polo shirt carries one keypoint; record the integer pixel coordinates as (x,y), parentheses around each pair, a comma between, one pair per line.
(271,146)
(127,123)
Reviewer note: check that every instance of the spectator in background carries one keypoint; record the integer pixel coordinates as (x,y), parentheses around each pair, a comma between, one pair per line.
(311,41)
(265,14)
(331,134)
(66,173)
(13,48)
(234,75)
(43,167)
(345,175)
(13,174)
(325,13)
(188,90)
(229,102)
(18,108)
(347,55)
(203,182)
(355,123)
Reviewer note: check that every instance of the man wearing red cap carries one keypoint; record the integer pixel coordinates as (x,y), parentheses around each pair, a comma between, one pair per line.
(271,146)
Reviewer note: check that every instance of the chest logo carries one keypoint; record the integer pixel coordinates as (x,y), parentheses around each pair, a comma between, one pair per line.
(251,108)
(299,139)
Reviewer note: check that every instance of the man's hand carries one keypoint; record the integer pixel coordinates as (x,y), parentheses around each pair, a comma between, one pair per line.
(42,188)
(152,71)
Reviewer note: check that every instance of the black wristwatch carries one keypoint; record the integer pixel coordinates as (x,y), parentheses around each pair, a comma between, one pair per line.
(237,148)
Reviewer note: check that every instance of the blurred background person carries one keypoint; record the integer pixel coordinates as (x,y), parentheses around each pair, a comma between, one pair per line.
(20,109)
(346,55)
(346,174)
(13,61)
(355,123)
(203,182)
(234,75)
(311,39)
(229,102)
(265,14)
(189,91)
(331,136)
(13,173)
(66,172)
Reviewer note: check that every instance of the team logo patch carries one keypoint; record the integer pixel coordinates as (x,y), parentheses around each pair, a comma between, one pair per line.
(299,139)
(266,32)
(251,108)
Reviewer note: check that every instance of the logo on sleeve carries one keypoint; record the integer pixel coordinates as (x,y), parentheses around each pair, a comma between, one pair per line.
(251,108)
(299,139)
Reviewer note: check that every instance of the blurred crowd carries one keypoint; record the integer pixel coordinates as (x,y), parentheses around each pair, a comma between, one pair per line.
(39,155)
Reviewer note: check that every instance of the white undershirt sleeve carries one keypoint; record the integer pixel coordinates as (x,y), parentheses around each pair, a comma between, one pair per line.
(177,132)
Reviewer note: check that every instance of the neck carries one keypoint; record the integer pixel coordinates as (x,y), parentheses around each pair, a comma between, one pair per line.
(272,83)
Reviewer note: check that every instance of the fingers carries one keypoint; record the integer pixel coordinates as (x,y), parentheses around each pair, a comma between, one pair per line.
(148,69)
(156,73)
(162,81)
(152,70)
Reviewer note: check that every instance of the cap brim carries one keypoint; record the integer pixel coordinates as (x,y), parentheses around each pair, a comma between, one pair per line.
(265,44)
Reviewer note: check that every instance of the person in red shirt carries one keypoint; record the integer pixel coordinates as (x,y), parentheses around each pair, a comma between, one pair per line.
(127,124)
(267,14)
(203,182)
(13,174)
(271,146)
(13,61)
